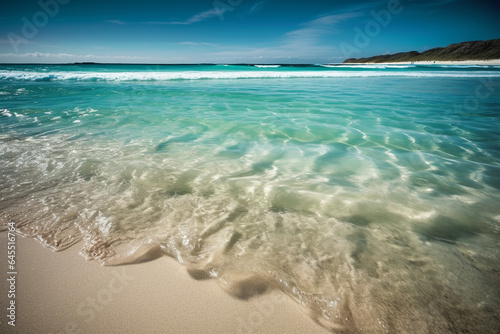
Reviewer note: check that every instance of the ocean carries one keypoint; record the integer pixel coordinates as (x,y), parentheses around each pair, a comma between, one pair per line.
(369,194)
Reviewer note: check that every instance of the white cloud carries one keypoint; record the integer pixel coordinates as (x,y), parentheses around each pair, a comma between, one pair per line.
(196,18)
(202,16)
(37,55)
(305,44)
(258,6)
(312,31)
(116,22)
(196,43)
(62,56)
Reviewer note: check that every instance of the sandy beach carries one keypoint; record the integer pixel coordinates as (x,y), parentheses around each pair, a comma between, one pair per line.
(493,62)
(63,293)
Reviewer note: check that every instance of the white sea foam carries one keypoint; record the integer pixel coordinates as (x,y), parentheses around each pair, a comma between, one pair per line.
(370,66)
(268,66)
(6,112)
(197,75)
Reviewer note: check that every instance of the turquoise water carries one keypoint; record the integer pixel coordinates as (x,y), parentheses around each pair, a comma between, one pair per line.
(368,194)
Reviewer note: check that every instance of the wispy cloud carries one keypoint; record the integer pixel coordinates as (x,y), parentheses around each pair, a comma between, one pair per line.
(305,44)
(63,55)
(41,54)
(362,5)
(312,31)
(116,22)
(257,6)
(196,43)
(195,18)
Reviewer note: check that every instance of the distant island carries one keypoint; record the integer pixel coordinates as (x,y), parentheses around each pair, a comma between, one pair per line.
(475,50)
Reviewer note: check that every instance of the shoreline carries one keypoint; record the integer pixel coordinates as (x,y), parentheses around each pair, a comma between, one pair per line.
(493,62)
(61,292)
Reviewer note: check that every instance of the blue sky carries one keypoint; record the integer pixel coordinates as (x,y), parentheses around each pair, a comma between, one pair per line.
(235,31)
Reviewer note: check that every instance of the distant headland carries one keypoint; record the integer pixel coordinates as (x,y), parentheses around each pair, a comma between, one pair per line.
(465,51)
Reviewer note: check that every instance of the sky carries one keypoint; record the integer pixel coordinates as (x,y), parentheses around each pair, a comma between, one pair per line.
(235,31)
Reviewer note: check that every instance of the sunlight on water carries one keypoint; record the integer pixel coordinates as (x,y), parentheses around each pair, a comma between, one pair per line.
(370,200)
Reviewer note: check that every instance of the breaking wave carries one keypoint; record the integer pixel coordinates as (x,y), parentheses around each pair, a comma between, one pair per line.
(212,75)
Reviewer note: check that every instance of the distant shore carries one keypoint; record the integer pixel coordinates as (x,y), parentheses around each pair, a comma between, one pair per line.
(492,62)
(467,53)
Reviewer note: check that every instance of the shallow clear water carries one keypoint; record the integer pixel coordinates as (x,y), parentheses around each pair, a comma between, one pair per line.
(368,195)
